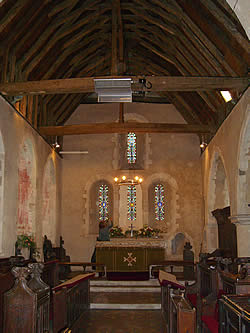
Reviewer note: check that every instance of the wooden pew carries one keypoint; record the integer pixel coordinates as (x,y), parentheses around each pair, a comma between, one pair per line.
(7,280)
(171,265)
(72,298)
(50,273)
(26,305)
(179,315)
(234,313)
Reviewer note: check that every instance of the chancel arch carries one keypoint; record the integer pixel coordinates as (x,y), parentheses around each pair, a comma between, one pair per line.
(49,201)
(26,212)
(218,198)
(2,168)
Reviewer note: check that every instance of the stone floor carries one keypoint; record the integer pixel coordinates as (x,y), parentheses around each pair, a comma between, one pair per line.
(122,321)
(123,307)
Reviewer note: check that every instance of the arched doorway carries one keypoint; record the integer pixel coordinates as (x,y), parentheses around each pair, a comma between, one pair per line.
(218,198)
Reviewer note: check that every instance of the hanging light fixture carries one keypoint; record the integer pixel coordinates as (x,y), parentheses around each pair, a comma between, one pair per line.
(124,180)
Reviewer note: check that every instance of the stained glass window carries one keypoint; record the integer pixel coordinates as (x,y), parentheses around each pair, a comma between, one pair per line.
(159,202)
(103,202)
(131,202)
(131,148)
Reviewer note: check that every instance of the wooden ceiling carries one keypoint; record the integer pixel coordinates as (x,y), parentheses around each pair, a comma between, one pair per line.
(187,49)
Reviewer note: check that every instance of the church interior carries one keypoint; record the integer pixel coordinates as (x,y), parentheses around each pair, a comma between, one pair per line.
(113,112)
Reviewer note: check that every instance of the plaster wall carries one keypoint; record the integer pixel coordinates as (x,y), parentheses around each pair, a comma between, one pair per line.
(15,130)
(227,144)
(242,10)
(173,156)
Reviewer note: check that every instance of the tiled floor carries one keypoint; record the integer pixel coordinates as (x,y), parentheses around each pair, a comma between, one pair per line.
(122,321)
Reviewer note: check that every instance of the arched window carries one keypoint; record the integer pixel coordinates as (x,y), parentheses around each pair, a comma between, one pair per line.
(131,202)
(159,201)
(103,202)
(162,203)
(131,148)
(100,204)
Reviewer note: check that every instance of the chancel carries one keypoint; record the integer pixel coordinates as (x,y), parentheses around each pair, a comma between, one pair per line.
(112,114)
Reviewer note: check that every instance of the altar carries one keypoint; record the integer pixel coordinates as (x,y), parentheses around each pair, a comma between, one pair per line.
(130,254)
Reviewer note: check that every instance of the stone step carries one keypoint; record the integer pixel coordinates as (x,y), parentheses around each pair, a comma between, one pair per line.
(132,289)
(108,283)
(125,300)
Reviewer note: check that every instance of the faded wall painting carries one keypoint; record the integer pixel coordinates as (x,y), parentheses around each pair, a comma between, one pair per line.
(26,190)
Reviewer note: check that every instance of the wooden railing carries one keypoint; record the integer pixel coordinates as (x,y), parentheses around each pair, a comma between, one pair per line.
(188,272)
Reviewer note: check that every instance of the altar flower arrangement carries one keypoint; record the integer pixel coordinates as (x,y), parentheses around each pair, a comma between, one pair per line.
(116,232)
(147,231)
(27,242)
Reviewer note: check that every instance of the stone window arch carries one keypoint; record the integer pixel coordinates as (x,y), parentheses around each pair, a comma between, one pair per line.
(49,201)
(154,190)
(94,204)
(26,212)
(143,147)
(169,223)
(2,168)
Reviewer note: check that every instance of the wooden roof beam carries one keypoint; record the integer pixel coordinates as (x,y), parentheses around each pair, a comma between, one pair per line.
(102,128)
(159,83)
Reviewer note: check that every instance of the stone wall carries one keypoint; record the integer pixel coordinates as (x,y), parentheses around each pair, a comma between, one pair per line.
(171,158)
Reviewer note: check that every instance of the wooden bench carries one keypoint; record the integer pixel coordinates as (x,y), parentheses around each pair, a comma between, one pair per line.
(84,265)
(176,310)
(69,300)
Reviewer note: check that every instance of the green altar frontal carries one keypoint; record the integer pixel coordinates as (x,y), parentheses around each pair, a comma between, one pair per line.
(129,256)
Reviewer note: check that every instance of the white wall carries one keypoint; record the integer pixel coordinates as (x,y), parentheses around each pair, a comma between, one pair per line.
(15,130)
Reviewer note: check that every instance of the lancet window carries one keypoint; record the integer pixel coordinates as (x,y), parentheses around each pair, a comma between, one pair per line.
(131,148)
(159,202)
(103,202)
(131,196)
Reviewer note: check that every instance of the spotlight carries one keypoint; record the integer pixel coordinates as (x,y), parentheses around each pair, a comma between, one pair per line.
(226,95)
(203,145)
